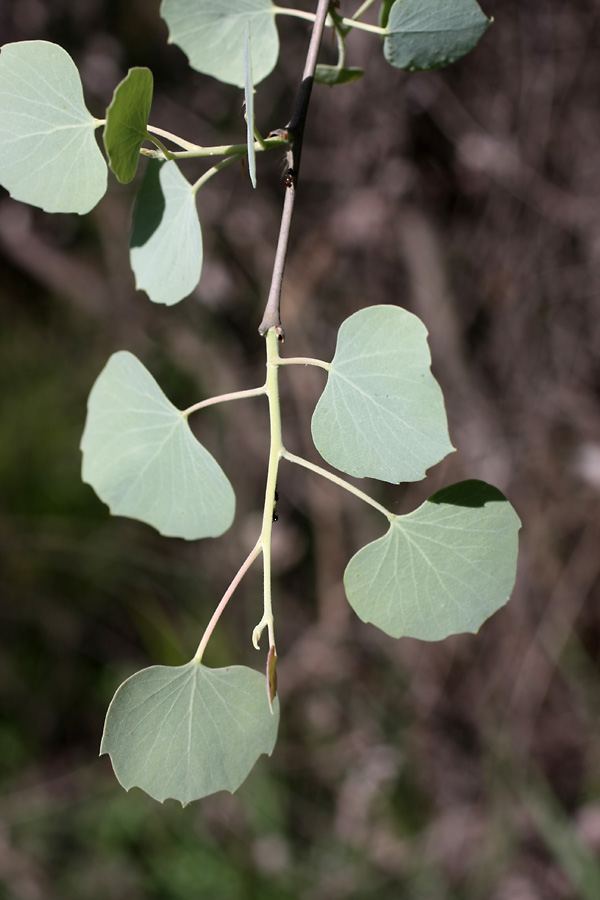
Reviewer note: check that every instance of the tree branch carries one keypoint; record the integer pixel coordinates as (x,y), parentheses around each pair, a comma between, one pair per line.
(295,130)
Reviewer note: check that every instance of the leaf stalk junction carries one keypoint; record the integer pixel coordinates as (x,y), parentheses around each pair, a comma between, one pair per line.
(277,452)
(273,332)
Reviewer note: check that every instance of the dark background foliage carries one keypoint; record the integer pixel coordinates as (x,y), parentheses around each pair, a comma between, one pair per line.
(467,769)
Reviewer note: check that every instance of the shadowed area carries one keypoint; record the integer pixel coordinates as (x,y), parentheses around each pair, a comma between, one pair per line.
(468,493)
(149,206)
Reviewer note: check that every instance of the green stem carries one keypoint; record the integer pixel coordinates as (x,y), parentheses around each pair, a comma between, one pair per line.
(224,398)
(263,544)
(260,139)
(296,13)
(158,143)
(300,461)
(213,171)
(195,151)
(363,26)
(350,23)
(362,9)
(181,142)
(340,37)
(224,601)
(275,453)
(240,152)
(304,361)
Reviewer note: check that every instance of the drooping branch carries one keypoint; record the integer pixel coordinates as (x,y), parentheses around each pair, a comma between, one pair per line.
(295,130)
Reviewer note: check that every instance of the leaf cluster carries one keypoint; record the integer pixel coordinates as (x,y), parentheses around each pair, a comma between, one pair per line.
(51,159)
(187,731)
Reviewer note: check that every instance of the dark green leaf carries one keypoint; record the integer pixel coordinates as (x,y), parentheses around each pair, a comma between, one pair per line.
(332,75)
(126,122)
(432,34)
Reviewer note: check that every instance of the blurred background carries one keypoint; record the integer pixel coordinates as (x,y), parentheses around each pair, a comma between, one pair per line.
(466,770)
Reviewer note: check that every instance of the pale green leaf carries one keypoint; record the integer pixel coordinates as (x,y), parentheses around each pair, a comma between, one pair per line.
(249,103)
(382,414)
(440,570)
(331,75)
(143,461)
(166,241)
(189,731)
(432,34)
(211,34)
(49,154)
(126,122)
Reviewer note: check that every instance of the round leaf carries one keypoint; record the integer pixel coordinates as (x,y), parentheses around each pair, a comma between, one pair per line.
(381,414)
(50,157)
(211,34)
(189,731)
(166,241)
(443,569)
(143,461)
(126,122)
(433,34)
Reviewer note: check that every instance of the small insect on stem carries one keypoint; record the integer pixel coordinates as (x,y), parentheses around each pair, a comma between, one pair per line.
(289,156)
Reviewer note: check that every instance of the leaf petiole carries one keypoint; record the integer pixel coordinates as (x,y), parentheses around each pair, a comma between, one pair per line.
(168,154)
(261,140)
(195,151)
(224,398)
(349,23)
(362,9)
(304,361)
(295,13)
(181,142)
(318,470)
(364,26)
(214,169)
(225,600)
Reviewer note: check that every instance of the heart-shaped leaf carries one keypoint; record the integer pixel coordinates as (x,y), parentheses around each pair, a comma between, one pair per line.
(126,122)
(143,461)
(49,157)
(211,34)
(166,240)
(433,34)
(440,570)
(382,414)
(189,731)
